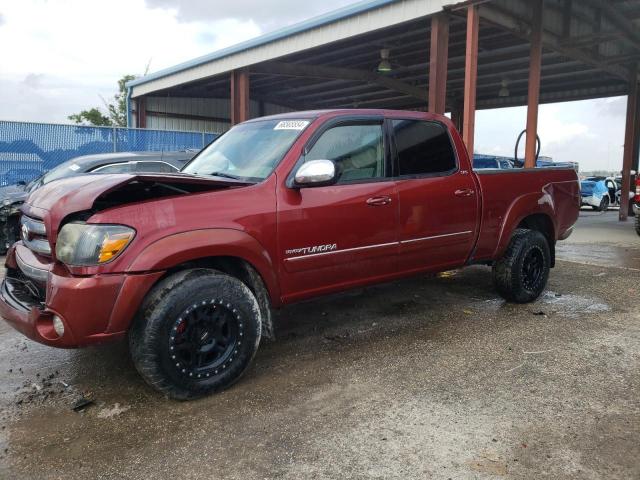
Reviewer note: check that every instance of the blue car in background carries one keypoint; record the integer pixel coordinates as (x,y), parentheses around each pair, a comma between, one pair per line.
(484,162)
(594,193)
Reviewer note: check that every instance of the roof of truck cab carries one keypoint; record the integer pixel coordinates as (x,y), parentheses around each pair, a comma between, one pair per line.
(312,114)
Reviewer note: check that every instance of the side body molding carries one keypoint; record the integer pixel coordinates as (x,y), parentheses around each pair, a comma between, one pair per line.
(216,242)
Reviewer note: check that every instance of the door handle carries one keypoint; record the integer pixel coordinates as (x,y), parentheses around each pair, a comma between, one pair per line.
(464,192)
(379,201)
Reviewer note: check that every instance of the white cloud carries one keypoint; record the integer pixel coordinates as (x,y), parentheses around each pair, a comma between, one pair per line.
(268,15)
(75,54)
(571,131)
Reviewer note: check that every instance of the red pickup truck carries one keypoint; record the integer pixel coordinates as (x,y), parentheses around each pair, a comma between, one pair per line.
(190,266)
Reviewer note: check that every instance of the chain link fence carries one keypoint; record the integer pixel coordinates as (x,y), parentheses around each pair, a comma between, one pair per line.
(29,149)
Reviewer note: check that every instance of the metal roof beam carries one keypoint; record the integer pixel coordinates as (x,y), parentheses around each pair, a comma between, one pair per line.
(336,73)
(522,28)
(562,95)
(489,77)
(631,31)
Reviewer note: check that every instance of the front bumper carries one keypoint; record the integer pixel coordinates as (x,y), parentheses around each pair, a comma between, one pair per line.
(94,309)
(591,200)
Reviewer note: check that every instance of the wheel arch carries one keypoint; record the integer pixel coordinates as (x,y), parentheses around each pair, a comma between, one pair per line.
(230,251)
(533,211)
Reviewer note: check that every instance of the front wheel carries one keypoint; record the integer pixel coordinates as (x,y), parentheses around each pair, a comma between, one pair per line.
(604,205)
(638,223)
(196,333)
(521,275)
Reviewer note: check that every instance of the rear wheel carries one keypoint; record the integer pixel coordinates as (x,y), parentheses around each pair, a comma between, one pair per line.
(196,333)
(604,205)
(638,223)
(521,275)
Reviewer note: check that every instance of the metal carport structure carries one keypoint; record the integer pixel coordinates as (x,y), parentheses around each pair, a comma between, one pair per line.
(455,57)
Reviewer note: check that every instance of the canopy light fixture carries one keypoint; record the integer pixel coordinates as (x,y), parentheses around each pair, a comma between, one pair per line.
(385,65)
(504,90)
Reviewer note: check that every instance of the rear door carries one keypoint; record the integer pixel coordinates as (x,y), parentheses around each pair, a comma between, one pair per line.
(334,236)
(438,200)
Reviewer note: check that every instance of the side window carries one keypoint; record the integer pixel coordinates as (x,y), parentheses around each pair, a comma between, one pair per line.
(423,148)
(153,167)
(357,150)
(124,167)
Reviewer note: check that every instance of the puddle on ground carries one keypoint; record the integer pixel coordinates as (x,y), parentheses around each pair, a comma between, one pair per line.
(569,305)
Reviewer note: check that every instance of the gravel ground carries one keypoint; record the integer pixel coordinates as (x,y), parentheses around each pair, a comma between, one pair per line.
(432,377)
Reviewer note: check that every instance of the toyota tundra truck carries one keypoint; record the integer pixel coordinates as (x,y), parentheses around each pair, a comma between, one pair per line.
(191,266)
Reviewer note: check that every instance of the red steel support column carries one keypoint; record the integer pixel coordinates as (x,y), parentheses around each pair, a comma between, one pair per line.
(239,96)
(631,132)
(439,58)
(456,118)
(141,113)
(533,100)
(470,77)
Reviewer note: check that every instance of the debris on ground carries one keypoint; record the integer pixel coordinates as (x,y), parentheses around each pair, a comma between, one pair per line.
(337,337)
(81,403)
(113,411)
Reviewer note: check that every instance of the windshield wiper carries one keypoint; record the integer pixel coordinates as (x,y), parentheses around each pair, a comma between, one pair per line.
(225,175)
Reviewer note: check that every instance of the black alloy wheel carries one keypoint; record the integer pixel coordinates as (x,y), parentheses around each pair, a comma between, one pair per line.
(204,339)
(532,269)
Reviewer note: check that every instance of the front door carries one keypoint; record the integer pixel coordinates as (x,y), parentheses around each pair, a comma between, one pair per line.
(332,237)
(438,200)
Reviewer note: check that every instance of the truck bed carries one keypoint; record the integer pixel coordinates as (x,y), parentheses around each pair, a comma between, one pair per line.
(507,196)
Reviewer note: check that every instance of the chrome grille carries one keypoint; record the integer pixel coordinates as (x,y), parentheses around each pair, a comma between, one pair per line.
(34,235)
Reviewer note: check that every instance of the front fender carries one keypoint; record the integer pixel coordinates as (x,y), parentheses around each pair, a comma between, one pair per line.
(183,247)
(522,207)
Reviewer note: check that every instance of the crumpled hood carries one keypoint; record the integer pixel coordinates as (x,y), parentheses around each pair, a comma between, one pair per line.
(12,193)
(63,197)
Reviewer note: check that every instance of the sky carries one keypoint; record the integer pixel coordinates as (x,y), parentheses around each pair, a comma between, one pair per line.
(58,57)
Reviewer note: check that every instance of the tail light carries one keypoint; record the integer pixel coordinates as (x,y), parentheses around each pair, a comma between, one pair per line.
(637,196)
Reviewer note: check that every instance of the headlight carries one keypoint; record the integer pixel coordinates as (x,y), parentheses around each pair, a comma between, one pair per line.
(86,244)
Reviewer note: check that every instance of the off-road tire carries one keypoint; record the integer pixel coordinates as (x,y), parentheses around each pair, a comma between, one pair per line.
(637,223)
(197,298)
(510,274)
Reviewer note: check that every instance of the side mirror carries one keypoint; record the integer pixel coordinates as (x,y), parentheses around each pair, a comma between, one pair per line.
(315,173)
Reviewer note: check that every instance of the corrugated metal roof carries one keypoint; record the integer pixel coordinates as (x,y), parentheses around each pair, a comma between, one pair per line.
(340,14)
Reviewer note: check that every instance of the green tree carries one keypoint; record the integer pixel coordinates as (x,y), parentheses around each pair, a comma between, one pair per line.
(116,114)
(91,117)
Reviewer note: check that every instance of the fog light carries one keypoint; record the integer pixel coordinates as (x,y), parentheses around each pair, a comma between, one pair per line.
(58,326)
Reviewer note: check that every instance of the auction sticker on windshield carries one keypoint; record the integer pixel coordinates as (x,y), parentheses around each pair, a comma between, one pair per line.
(291,125)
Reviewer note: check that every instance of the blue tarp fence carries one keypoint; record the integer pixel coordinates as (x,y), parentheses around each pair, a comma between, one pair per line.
(29,149)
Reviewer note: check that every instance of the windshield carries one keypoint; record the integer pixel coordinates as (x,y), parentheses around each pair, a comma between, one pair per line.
(66,169)
(249,151)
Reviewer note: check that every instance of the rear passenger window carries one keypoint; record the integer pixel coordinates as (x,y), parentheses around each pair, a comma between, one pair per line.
(357,150)
(423,148)
(124,167)
(152,167)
